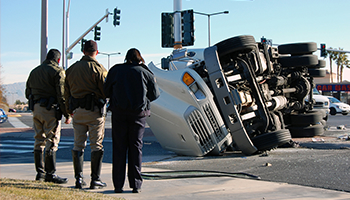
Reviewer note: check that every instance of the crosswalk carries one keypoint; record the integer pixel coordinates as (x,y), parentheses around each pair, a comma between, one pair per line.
(15,122)
(21,146)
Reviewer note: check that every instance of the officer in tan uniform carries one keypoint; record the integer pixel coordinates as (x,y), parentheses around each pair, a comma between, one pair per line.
(85,100)
(45,90)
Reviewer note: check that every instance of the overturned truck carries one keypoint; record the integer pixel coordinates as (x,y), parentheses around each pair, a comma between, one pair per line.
(238,94)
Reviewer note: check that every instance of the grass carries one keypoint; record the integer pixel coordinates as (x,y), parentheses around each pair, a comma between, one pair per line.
(25,189)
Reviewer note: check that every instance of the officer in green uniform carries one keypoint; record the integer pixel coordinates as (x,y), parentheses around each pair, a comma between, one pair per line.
(45,90)
(85,100)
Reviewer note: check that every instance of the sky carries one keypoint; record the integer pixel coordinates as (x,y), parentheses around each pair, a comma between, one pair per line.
(283,21)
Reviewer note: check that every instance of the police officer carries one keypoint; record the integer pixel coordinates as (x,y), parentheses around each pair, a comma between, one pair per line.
(45,90)
(85,99)
(131,87)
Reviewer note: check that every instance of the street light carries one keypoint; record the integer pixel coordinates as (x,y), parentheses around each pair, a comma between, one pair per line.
(218,13)
(108,54)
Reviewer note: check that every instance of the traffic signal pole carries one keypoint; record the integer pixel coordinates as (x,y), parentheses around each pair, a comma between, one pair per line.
(86,32)
(177,24)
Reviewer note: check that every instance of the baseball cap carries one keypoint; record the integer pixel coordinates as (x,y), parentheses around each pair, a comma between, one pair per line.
(90,46)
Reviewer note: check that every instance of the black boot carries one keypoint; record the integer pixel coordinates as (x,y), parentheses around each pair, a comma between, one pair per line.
(50,168)
(39,165)
(96,164)
(78,161)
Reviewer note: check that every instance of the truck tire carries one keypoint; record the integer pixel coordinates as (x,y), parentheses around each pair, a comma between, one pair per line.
(317,72)
(243,43)
(298,48)
(321,64)
(298,61)
(305,119)
(306,131)
(268,141)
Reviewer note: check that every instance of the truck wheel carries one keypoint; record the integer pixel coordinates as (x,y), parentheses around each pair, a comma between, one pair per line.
(268,141)
(321,64)
(298,61)
(317,72)
(298,48)
(305,119)
(306,131)
(332,111)
(243,43)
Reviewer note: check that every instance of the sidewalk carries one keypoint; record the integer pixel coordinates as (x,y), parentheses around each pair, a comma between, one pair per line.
(187,188)
(180,188)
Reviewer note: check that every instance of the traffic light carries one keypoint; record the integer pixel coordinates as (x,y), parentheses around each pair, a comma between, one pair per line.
(323,50)
(97,36)
(263,40)
(116,17)
(168,29)
(82,44)
(187,20)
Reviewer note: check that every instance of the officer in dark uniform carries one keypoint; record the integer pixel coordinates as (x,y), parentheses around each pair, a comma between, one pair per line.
(45,90)
(84,91)
(131,87)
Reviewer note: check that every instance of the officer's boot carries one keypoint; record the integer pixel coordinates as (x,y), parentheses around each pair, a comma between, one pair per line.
(78,163)
(96,164)
(39,165)
(50,168)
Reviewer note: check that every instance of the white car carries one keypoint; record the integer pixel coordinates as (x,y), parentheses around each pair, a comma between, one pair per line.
(321,103)
(337,106)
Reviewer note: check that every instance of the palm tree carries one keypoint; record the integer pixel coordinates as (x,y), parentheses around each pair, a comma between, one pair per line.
(332,56)
(342,61)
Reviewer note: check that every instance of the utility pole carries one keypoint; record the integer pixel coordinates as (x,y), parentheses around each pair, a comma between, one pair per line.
(43,45)
(65,34)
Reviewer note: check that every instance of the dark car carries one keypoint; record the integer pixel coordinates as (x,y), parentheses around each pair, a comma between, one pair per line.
(3,116)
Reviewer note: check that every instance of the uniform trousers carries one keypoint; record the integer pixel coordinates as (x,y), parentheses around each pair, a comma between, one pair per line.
(47,129)
(127,135)
(88,123)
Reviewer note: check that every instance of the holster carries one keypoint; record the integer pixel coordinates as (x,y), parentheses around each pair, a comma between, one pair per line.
(50,103)
(31,102)
(58,112)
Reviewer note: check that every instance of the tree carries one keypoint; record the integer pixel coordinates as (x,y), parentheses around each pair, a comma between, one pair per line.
(3,101)
(332,56)
(342,61)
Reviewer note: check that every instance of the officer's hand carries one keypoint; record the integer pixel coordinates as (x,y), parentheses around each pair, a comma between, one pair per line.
(68,120)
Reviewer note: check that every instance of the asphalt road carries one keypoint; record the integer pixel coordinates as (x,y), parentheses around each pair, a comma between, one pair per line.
(322,163)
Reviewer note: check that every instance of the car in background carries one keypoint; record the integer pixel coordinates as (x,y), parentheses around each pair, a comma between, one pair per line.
(321,103)
(12,110)
(337,106)
(3,116)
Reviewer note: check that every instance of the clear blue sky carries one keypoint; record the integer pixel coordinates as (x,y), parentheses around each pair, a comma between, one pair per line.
(283,21)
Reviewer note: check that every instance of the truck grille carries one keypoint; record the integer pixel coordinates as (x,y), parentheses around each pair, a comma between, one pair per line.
(213,122)
(195,120)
